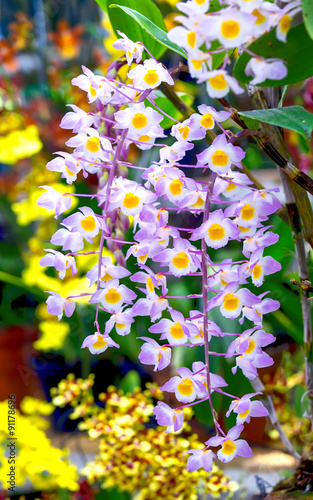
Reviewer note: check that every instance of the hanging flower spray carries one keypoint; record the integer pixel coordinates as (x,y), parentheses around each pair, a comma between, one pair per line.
(122,115)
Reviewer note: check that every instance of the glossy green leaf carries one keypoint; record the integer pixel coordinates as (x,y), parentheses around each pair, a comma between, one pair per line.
(102,4)
(119,18)
(161,36)
(155,31)
(307,9)
(296,53)
(291,117)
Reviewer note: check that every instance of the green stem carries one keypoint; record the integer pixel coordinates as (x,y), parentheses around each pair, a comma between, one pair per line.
(16,281)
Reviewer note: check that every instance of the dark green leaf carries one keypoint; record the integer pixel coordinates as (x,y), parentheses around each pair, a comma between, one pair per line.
(291,117)
(149,26)
(120,21)
(114,494)
(307,9)
(295,53)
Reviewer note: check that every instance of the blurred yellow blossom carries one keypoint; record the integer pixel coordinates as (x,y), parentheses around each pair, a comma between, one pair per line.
(143,461)
(44,465)
(31,406)
(53,335)
(19,144)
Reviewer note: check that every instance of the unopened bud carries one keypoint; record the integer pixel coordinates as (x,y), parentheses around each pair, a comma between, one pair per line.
(120,259)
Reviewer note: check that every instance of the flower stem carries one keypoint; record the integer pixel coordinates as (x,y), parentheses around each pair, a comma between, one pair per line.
(205,297)
(103,235)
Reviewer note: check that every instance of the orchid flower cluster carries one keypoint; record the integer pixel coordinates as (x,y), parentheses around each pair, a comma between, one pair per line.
(225,205)
(236,25)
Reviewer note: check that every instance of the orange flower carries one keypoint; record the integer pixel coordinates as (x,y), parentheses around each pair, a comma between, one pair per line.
(8,56)
(67,39)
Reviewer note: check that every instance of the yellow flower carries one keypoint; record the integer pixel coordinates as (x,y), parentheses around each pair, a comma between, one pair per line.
(30,406)
(44,465)
(53,335)
(19,144)
(131,457)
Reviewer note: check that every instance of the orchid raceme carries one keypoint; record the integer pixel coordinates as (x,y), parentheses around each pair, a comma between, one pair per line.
(223,207)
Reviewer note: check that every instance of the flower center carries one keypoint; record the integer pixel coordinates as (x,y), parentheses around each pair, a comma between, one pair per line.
(191,39)
(142,258)
(220,158)
(228,447)
(244,414)
(92,91)
(119,325)
(184,131)
(216,232)
(199,203)
(223,282)
(260,19)
(150,284)
(230,29)
(207,121)
(106,277)
(230,187)
(139,120)
(176,187)
(244,230)
(131,201)
(112,296)
(144,138)
(218,82)
(88,223)
(251,347)
(70,173)
(151,77)
(181,260)
(99,343)
(231,302)
(247,212)
(256,271)
(176,331)
(284,23)
(93,144)
(197,63)
(185,387)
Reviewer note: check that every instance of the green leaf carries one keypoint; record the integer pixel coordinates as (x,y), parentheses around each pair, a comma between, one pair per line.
(130,381)
(296,53)
(113,494)
(155,31)
(291,117)
(218,59)
(160,35)
(120,21)
(102,4)
(307,10)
